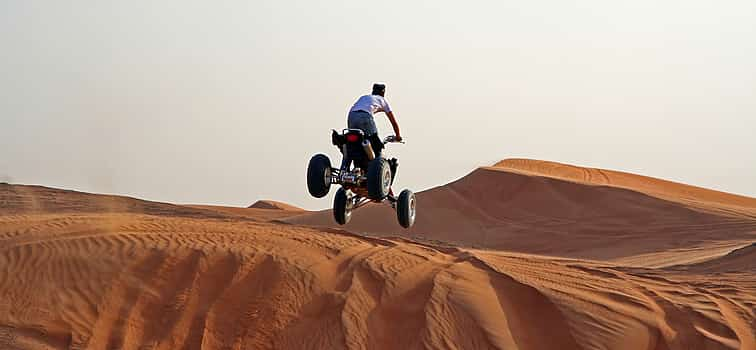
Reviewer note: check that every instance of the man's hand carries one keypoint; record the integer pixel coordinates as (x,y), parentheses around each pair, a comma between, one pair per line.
(392,138)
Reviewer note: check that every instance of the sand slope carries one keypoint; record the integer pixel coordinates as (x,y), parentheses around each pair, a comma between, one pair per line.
(85,271)
(104,281)
(16,199)
(275,205)
(25,199)
(250,213)
(501,208)
(697,197)
(738,260)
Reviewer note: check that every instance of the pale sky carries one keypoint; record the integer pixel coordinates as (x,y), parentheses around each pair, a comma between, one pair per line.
(224,102)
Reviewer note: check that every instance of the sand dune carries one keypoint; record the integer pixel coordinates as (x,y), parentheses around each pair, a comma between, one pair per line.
(24,199)
(270,204)
(742,259)
(251,213)
(697,197)
(542,213)
(104,281)
(629,269)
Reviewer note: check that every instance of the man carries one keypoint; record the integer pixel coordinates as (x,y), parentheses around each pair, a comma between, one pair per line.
(361,114)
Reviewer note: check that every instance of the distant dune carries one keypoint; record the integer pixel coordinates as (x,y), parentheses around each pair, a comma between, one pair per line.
(270,204)
(555,209)
(702,198)
(86,271)
(25,199)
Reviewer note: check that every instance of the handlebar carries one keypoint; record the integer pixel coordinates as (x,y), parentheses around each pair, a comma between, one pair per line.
(391,139)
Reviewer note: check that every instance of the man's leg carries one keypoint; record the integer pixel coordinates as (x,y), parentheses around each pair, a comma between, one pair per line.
(376,143)
(363,121)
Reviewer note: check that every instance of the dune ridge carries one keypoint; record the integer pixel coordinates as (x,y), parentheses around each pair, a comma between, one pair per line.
(742,259)
(498,208)
(580,265)
(275,205)
(698,197)
(31,199)
(133,280)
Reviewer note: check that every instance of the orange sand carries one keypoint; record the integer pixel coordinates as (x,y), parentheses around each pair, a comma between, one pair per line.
(270,204)
(551,213)
(104,272)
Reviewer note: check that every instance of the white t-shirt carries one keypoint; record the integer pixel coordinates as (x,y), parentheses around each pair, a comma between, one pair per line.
(371,104)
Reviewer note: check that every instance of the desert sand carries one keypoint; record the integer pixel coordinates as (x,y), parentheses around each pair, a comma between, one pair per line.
(271,204)
(549,208)
(520,255)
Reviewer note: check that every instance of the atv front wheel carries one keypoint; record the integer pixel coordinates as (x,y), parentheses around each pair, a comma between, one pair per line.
(342,207)
(405,208)
(319,176)
(378,179)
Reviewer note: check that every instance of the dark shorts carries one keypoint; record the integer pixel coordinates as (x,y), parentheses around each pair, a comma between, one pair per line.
(362,120)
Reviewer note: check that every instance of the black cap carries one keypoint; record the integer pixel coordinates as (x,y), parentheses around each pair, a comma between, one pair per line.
(379,89)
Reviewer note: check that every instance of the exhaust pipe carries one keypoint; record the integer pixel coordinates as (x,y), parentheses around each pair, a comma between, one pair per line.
(368,149)
(345,158)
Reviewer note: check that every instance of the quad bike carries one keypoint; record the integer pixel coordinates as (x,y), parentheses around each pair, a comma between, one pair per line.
(364,175)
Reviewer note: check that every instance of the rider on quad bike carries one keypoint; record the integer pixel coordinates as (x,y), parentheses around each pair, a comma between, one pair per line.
(365,174)
(361,116)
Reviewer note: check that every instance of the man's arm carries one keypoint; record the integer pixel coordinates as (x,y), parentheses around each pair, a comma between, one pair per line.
(395,125)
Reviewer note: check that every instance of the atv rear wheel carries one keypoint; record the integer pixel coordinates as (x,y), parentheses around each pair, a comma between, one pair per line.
(342,207)
(405,208)
(319,175)
(378,179)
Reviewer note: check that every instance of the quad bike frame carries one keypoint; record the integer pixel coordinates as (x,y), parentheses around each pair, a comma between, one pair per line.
(364,176)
